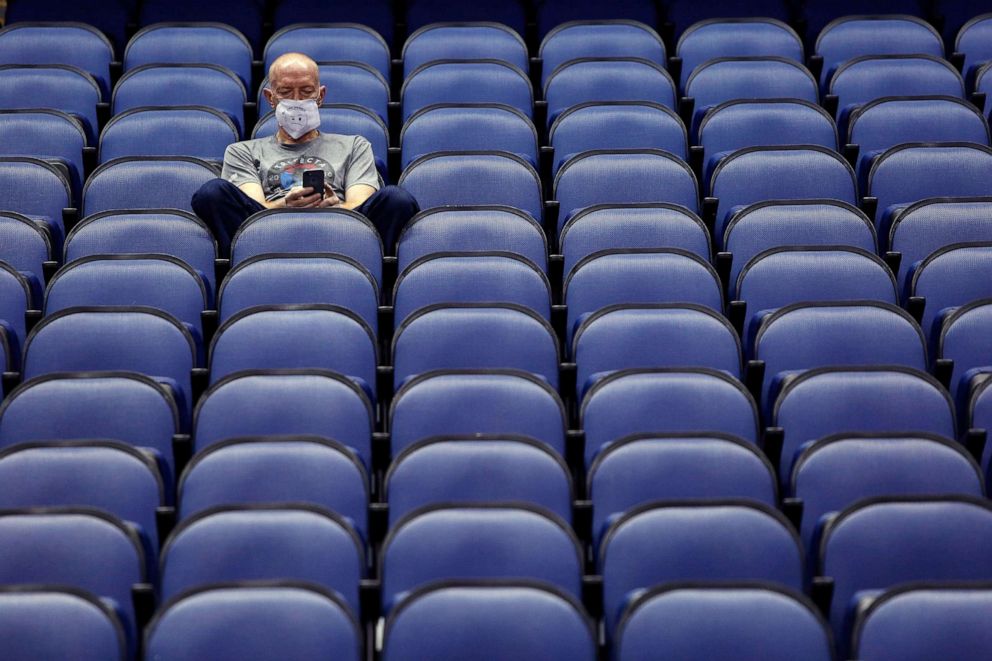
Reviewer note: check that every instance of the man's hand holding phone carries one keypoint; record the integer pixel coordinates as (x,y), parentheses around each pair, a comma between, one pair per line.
(314,193)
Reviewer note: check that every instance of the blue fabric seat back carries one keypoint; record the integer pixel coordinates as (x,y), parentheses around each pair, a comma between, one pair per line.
(552,13)
(513,14)
(375,14)
(47,134)
(473,178)
(679,541)
(834,400)
(777,223)
(759,174)
(963,339)
(617,125)
(199,132)
(53,87)
(511,620)
(622,176)
(15,300)
(475,336)
(25,245)
(59,622)
(152,182)
(352,83)
(979,414)
(172,43)
(723,621)
(182,85)
(330,42)
(302,231)
(589,79)
(478,468)
(300,279)
(468,127)
(244,17)
(685,13)
(599,38)
(632,225)
(241,620)
(741,37)
(819,13)
(277,402)
(472,228)
(666,400)
(834,472)
(954,275)
(871,77)
(468,402)
(972,40)
(630,336)
(111,19)
(479,541)
(478,40)
(642,468)
(471,278)
(467,81)
(255,542)
(38,190)
(124,406)
(108,475)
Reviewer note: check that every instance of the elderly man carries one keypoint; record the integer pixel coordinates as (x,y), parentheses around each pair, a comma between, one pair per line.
(267,173)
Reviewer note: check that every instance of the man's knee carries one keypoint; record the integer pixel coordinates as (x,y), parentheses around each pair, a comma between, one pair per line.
(398,200)
(210,193)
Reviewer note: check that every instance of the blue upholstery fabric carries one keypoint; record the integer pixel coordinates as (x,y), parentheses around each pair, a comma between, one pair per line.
(685,13)
(111,19)
(955,275)
(742,37)
(333,42)
(972,41)
(46,134)
(599,38)
(467,81)
(245,17)
(36,189)
(552,13)
(15,300)
(55,87)
(376,14)
(867,78)
(513,14)
(169,43)
(819,13)
(607,79)
(963,339)
(25,245)
(152,182)
(347,82)
(199,132)
(453,41)
(467,127)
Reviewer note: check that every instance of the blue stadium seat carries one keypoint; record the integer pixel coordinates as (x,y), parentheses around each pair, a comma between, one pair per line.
(468,402)
(248,619)
(15,301)
(964,340)
(472,40)
(300,279)
(111,19)
(637,276)
(255,542)
(277,402)
(972,42)
(776,223)
(244,17)
(301,231)
(471,277)
(39,190)
(632,225)
(666,400)
(467,81)
(376,14)
(471,541)
(552,13)
(642,468)
(834,472)
(617,125)
(25,246)
(76,44)
(350,83)
(918,622)
(200,132)
(682,14)
(50,135)
(120,406)
(474,336)
(191,43)
(833,400)
(615,37)
(150,182)
(513,14)
(330,42)
(472,178)
(952,276)
(472,228)
(510,620)
(722,622)
(736,37)
(598,79)
(478,468)
(467,127)
(679,541)
(58,622)
(276,469)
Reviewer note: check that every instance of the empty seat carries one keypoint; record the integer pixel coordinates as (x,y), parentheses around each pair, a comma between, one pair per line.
(514,14)
(641,468)
(244,18)
(468,402)
(665,400)
(191,43)
(278,402)
(377,14)
(200,132)
(819,13)
(615,37)
(682,14)
(461,541)
(478,468)
(952,276)
(467,81)
(831,473)
(588,79)
(466,127)
(637,276)
(721,622)
(972,42)
(964,340)
(59,623)
(251,619)
(354,83)
(681,541)
(511,620)
(274,542)
(50,135)
(552,13)
(54,87)
(477,40)
(15,300)
(330,42)
(110,19)
(38,190)
(151,182)
(25,246)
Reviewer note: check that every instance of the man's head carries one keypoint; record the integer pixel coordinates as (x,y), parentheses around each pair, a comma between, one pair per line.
(294,77)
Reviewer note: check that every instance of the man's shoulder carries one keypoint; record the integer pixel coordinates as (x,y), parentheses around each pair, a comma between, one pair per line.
(250,145)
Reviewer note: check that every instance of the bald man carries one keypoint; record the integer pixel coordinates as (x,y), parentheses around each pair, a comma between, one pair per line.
(267,173)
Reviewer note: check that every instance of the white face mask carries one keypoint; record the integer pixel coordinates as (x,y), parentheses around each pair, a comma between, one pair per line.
(297,118)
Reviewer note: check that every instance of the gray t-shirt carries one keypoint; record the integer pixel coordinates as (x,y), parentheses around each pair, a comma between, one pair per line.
(345,159)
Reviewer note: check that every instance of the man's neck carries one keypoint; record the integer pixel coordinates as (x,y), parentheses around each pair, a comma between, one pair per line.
(287,139)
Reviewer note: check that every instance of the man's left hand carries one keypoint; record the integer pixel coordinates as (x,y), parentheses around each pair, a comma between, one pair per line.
(330,198)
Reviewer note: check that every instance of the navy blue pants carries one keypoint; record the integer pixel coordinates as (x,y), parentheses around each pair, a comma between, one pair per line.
(223,207)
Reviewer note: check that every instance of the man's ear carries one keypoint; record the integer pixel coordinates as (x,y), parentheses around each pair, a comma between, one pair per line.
(267,93)
(321,95)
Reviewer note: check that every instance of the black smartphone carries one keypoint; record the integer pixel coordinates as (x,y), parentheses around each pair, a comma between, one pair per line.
(314,179)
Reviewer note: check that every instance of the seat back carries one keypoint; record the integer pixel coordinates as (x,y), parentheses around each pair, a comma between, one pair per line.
(330,42)
(111,20)
(200,132)
(352,83)
(50,135)
(469,40)
(467,81)
(512,14)
(151,182)
(191,43)
(683,14)
(54,87)
(971,41)
(245,18)
(39,190)
(740,37)
(552,14)
(15,299)
(467,127)
(599,79)
(871,77)
(963,340)
(26,246)
(952,276)
(599,38)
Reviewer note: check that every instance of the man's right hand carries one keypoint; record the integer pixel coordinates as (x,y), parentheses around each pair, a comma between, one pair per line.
(301,198)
